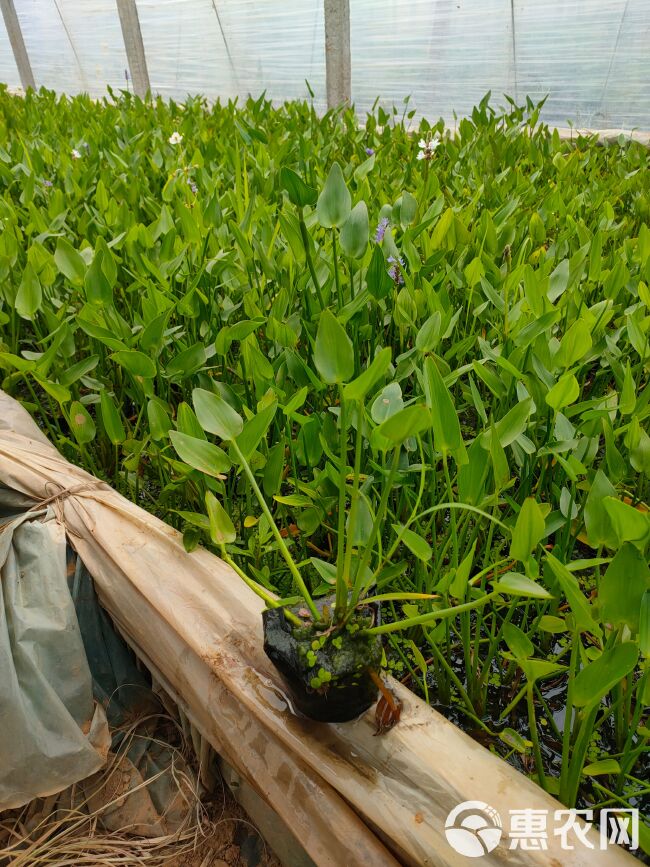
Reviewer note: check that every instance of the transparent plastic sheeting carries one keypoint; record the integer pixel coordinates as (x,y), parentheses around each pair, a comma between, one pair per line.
(589,56)
(73,46)
(226,48)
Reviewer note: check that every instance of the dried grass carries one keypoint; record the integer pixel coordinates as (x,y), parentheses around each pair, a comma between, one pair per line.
(64,830)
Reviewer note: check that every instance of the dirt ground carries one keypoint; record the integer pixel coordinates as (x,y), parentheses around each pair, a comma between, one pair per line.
(233,840)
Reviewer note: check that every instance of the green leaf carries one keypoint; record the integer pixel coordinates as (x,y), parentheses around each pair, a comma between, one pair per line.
(458,586)
(597,678)
(415,543)
(575,343)
(644,625)
(444,419)
(408,209)
(364,168)
(564,392)
(551,623)
(69,262)
(378,279)
(187,362)
(429,335)
(597,521)
(529,530)
(299,192)
(81,424)
(629,524)
(255,429)
(215,415)
(627,401)
(222,529)
(333,352)
(359,387)
(404,424)
(622,588)
(387,403)
(334,203)
(604,766)
(559,280)
(516,584)
(518,642)
(111,418)
(512,425)
(535,669)
(354,234)
(137,363)
(580,606)
(30,295)
(200,454)
(98,288)
(514,740)
(159,421)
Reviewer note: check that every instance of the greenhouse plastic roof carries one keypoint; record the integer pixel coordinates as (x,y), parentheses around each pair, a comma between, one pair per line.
(589,56)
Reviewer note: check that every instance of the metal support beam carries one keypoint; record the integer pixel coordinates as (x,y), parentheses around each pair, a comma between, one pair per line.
(337,52)
(134,45)
(17,44)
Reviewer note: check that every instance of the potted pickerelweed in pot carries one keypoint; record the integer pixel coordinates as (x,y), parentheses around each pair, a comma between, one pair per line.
(329,649)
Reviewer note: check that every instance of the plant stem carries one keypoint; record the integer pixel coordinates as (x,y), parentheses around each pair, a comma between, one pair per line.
(424,619)
(281,543)
(534,735)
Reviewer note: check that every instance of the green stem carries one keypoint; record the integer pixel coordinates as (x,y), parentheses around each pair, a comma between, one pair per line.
(424,619)
(341,583)
(354,504)
(534,735)
(310,264)
(278,536)
(359,587)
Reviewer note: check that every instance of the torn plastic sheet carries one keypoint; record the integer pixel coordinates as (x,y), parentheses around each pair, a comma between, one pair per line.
(349,797)
(53,734)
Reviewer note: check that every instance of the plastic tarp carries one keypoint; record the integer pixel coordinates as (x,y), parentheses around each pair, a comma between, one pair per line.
(590,58)
(349,797)
(53,734)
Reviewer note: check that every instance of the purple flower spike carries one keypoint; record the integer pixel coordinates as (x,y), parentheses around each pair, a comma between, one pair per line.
(396,269)
(381,229)
(369,151)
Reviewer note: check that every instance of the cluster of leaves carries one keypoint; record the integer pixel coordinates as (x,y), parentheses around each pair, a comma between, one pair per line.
(434,374)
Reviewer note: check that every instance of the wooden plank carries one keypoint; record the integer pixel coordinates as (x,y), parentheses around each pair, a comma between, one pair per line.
(18,44)
(337,52)
(134,46)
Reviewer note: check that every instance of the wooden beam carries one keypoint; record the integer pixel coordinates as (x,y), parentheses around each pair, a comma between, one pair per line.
(18,44)
(134,45)
(337,52)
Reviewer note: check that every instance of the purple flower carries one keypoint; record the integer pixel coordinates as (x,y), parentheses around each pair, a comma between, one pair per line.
(396,270)
(192,186)
(369,151)
(381,229)
(47,184)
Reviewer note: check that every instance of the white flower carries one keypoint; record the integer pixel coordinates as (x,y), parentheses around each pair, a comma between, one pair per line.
(75,154)
(175,138)
(427,147)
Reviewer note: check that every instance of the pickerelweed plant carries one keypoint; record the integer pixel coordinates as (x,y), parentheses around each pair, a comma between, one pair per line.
(488,427)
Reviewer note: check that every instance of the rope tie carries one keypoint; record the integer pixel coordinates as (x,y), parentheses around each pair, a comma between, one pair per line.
(56,500)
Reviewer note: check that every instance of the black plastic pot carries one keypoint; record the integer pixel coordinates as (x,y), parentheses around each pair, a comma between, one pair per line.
(346,690)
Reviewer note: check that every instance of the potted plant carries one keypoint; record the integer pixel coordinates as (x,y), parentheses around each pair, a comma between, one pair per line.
(328,650)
